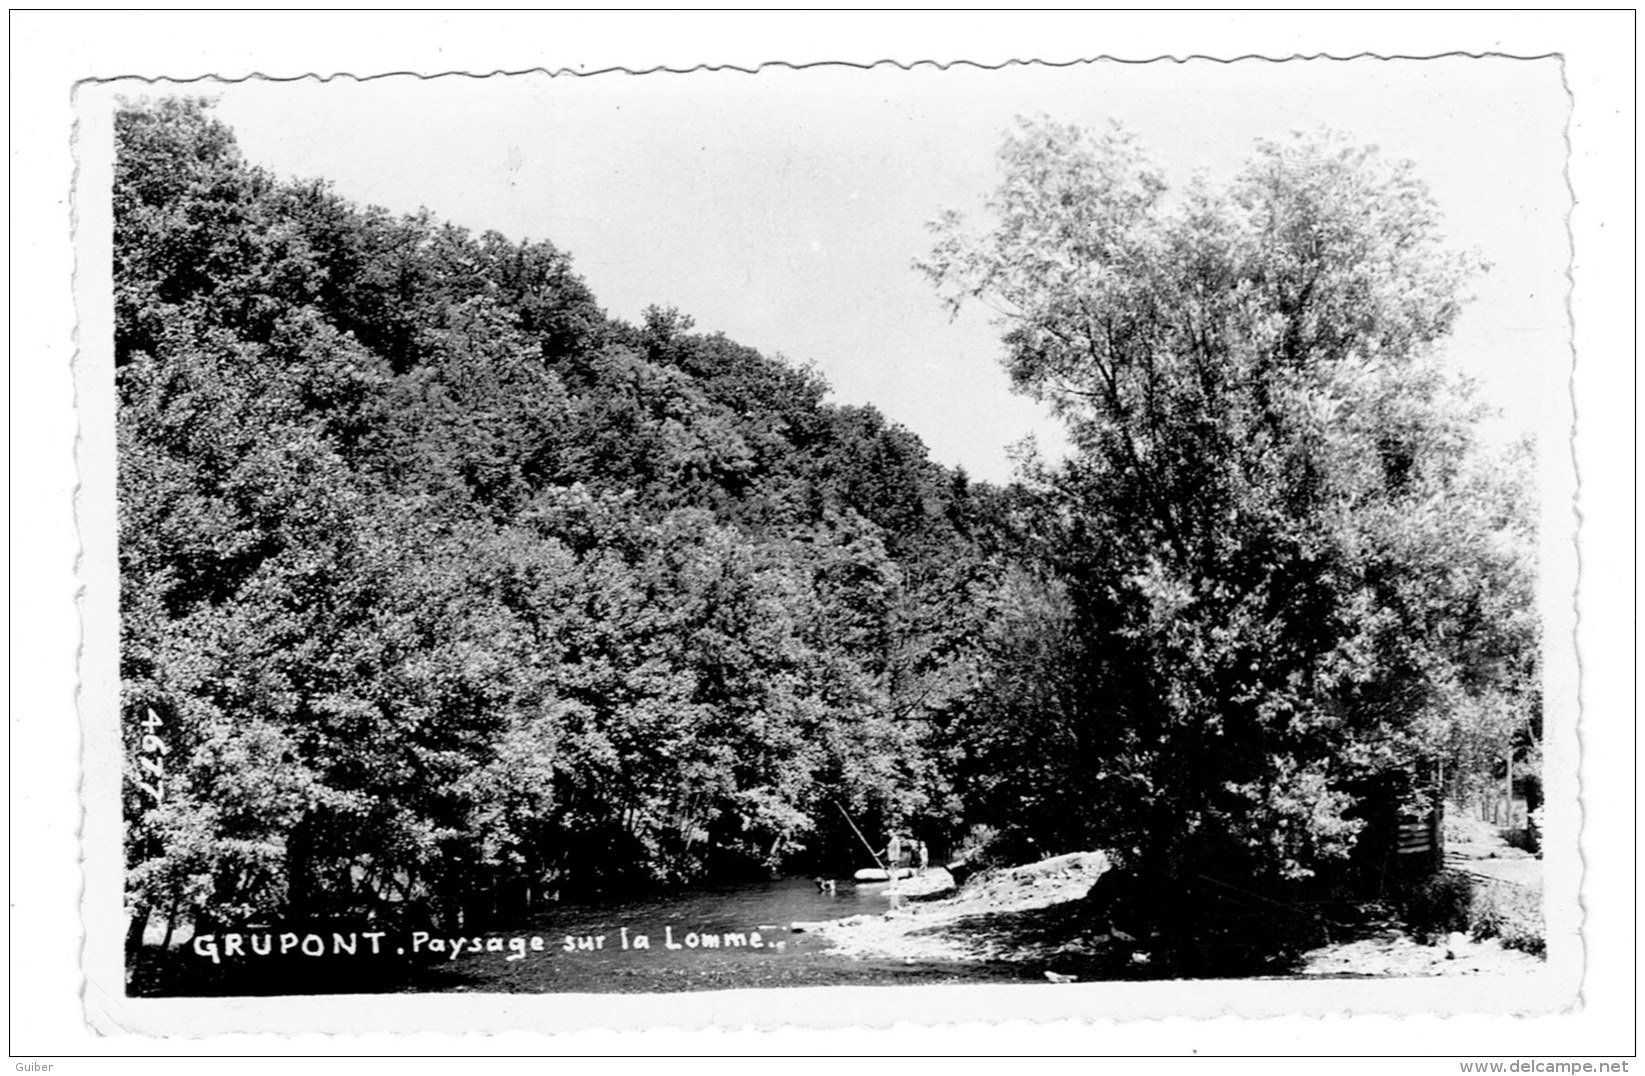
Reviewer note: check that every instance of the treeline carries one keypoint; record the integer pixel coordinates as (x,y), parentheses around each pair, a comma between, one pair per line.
(443,588)
(439,583)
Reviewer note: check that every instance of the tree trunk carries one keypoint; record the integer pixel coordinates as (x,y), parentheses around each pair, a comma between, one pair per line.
(171,926)
(299,869)
(135,930)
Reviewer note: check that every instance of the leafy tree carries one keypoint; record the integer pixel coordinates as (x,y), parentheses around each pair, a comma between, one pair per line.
(442,592)
(1271,557)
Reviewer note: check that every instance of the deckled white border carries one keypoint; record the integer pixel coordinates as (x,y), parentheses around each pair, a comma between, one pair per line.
(1552,986)
(734,1009)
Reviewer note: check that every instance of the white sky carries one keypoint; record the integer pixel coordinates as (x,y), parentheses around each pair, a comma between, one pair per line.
(784,208)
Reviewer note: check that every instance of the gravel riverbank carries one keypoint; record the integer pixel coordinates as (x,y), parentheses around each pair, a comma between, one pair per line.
(1006,916)
(1030,917)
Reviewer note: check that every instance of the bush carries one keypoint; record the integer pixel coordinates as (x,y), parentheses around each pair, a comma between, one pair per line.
(1439,905)
(981,848)
(1510,913)
(1478,907)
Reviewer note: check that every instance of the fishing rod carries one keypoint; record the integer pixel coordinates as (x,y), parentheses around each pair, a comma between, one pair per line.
(861,838)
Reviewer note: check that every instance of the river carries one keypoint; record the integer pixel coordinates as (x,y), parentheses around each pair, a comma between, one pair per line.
(716,938)
(703,939)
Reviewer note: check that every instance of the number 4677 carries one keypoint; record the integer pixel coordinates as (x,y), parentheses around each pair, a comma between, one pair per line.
(153,759)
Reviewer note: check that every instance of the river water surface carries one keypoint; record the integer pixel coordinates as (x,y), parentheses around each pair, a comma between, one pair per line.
(704,939)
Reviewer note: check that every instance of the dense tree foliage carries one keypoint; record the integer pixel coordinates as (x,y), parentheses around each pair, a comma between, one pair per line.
(442,588)
(444,592)
(1276,573)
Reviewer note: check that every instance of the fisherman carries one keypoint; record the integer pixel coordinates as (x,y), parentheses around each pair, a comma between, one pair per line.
(893,852)
(924,853)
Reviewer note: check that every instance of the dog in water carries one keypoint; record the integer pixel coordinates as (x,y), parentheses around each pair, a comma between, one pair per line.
(827,885)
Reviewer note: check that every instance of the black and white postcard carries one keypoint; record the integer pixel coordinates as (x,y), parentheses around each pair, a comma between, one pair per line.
(828,543)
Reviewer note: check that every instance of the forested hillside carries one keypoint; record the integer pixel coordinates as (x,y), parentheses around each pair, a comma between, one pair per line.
(437,580)
(443,589)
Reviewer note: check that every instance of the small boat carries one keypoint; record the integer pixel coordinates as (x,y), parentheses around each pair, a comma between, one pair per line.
(875,874)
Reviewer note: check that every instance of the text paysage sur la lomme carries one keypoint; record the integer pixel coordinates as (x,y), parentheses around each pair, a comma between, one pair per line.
(516,947)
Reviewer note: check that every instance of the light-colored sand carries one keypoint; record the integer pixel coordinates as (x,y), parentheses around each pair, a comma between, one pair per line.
(922,931)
